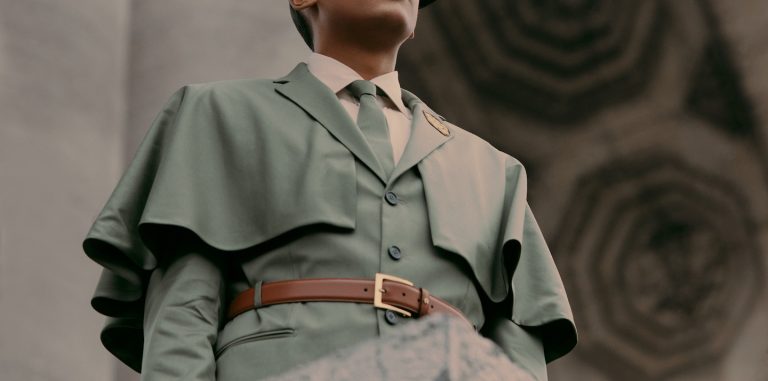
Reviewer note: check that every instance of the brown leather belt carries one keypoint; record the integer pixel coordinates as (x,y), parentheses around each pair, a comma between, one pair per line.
(385,291)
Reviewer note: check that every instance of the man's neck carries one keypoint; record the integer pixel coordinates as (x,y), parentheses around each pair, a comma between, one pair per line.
(369,64)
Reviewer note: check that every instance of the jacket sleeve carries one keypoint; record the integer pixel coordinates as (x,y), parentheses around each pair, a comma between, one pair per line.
(183,312)
(534,324)
(522,345)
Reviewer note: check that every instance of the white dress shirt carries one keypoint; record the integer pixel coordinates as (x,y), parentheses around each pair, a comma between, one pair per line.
(337,76)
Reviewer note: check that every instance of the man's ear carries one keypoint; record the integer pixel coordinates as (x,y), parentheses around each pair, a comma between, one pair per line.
(302,4)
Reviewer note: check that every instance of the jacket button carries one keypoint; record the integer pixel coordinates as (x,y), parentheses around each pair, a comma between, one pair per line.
(391,317)
(391,198)
(394,252)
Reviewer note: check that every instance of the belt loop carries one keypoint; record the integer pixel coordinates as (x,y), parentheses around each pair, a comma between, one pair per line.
(257,294)
(424,302)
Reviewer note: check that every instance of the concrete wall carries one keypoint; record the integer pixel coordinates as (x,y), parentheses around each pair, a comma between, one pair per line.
(176,42)
(744,25)
(62,68)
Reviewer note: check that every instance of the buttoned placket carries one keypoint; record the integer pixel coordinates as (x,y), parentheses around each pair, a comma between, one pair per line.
(394,210)
(393,249)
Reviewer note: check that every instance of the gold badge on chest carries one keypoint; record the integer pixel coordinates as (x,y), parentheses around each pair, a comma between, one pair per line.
(436,123)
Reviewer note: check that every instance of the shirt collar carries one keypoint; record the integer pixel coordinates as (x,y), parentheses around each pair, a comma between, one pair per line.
(336,75)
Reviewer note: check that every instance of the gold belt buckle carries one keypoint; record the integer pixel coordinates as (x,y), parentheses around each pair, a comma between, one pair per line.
(379,292)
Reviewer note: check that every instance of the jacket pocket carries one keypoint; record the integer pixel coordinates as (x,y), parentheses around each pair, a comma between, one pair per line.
(257,336)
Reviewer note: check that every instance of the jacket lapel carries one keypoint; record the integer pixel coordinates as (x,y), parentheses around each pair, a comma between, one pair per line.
(424,138)
(304,89)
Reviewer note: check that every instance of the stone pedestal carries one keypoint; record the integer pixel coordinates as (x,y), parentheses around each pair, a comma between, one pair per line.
(435,348)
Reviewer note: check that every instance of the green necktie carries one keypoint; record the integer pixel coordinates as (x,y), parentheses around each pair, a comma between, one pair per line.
(373,123)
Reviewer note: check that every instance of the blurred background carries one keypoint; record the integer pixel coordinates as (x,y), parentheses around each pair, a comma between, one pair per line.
(643,126)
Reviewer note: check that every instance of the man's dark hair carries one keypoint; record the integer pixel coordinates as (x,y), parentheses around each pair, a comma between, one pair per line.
(303,27)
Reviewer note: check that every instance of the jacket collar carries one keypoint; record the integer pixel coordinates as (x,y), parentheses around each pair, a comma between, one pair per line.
(309,93)
(337,76)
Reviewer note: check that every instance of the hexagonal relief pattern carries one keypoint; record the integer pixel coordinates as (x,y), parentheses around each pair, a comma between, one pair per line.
(661,265)
(559,59)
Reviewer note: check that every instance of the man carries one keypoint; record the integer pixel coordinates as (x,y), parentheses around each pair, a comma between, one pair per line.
(260,220)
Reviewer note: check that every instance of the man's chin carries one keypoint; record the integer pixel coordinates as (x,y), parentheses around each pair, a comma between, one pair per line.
(393,13)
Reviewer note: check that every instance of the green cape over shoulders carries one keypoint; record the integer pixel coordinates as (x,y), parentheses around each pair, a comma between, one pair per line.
(226,162)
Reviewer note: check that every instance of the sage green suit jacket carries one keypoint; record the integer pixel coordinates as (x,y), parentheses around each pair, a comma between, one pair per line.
(246,181)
